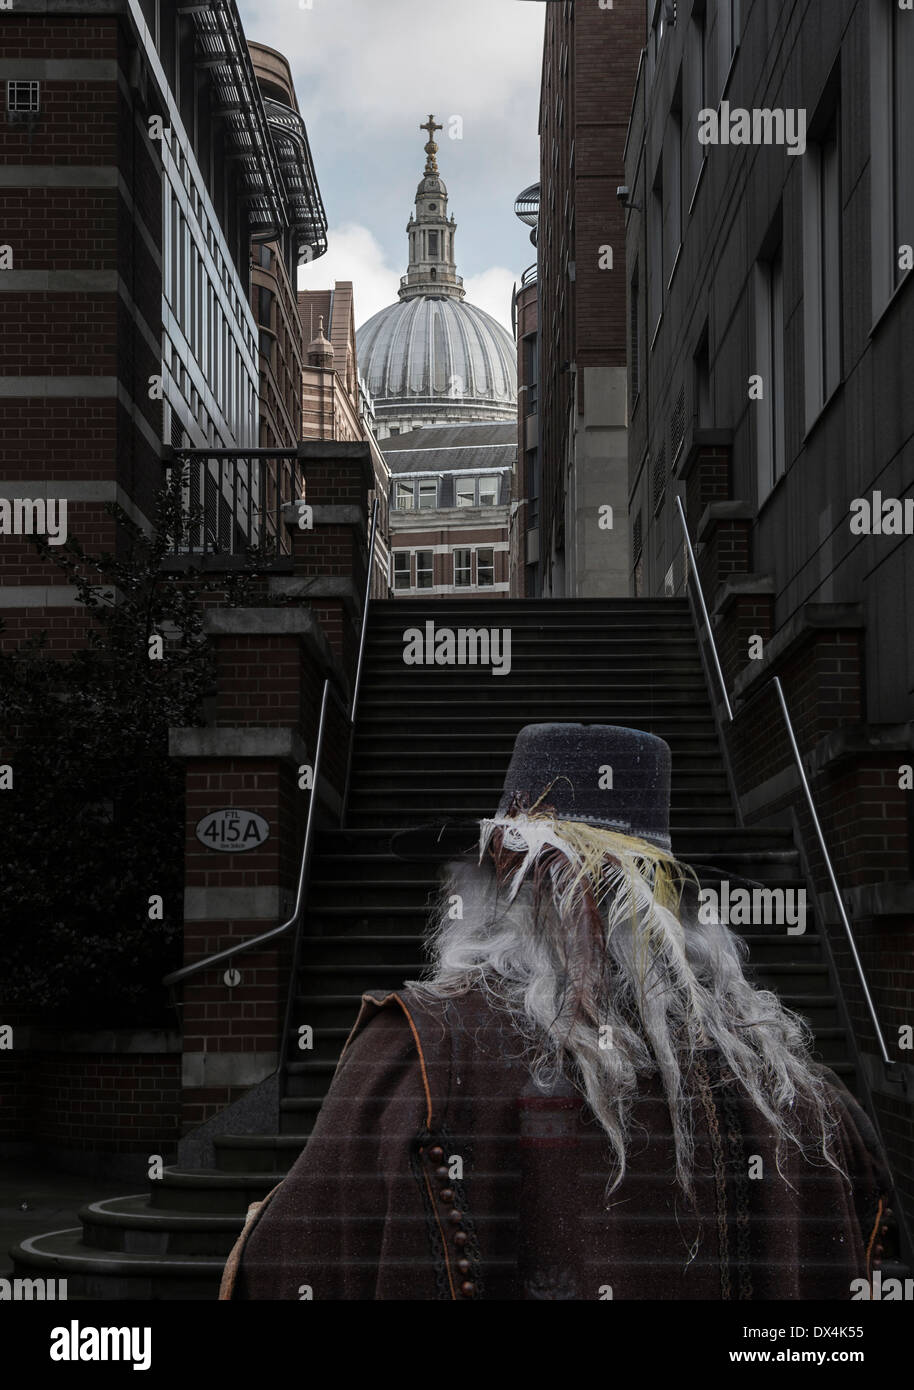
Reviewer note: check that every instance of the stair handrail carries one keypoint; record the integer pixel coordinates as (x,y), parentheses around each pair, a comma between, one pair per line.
(264,938)
(207,962)
(693,574)
(891,1067)
(829,869)
(357,684)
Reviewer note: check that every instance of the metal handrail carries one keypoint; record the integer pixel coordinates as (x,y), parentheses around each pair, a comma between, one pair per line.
(829,867)
(177,976)
(357,684)
(275,932)
(704,609)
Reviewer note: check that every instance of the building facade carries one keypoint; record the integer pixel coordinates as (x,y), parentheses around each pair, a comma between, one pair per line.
(525,568)
(141,163)
(771,324)
(590,61)
(449,510)
(336,403)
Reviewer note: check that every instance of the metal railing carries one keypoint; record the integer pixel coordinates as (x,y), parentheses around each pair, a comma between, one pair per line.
(693,571)
(233,499)
(775,682)
(297,916)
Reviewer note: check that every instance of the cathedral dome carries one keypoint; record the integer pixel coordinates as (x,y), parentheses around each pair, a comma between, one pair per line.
(433,358)
(438,359)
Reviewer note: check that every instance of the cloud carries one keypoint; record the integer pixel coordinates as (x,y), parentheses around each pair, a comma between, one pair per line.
(355,254)
(492,290)
(348,56)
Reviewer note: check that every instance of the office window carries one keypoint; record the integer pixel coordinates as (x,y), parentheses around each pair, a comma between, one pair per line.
(404,497)
(466,492)
(673,168)
(891,145)
(728,24)
(822,267)
(634,335)
(428,495)
(655,249)
(488,492)
(462,571)
(401,569)
(695,98)
(485,568)
(23,98)
(769,340)
(702,383)
(425,569)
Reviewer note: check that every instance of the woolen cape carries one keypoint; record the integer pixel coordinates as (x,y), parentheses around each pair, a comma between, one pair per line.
(438,1170)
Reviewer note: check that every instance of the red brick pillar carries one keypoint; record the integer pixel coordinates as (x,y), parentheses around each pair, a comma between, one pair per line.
(330,550)
(245,814)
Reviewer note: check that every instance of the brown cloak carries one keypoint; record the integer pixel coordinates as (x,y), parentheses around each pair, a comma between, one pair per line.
(438,1170)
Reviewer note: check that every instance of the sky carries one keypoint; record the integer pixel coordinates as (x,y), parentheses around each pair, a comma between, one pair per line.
(367,73)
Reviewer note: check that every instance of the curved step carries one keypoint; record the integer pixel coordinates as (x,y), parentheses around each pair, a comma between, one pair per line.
(98,1274)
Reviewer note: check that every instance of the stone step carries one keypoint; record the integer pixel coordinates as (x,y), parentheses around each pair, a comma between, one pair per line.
(108,1275)
(132,1226)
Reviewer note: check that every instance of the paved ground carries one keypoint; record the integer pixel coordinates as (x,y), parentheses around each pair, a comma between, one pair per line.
(51,1198)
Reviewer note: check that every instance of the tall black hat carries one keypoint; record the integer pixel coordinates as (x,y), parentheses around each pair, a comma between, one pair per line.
(601,774)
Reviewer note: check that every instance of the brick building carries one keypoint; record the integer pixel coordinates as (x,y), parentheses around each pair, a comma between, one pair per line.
(450,488)
(336,403)
(590,62)
(144,156)
(524,567)
(158,196)
(772,322)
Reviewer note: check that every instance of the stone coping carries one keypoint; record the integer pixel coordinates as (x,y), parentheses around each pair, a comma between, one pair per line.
(238,742)
(811,618)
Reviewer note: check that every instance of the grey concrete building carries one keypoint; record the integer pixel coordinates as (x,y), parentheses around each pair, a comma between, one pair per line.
(770,168)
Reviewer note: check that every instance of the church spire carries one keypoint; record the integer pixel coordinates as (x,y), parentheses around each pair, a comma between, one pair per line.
(432,269)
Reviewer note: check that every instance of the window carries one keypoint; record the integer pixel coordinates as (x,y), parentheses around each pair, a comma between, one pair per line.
(462,574)
(634,335)
(702,383)
(425,569)
(488,492)
(405,497)
(891,146)
(695,97)
(673,166)
(466,492)
(655,236)
(264,306)
(485,568)
(23,98)
(769,339)
(822,267)
(433,245)
(401,569)
(428,496)
(728,23)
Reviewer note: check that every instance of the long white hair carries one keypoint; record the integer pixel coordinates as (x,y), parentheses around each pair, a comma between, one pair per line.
(579,934)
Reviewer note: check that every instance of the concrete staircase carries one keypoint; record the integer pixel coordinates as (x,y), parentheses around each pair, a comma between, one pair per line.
(432,742)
